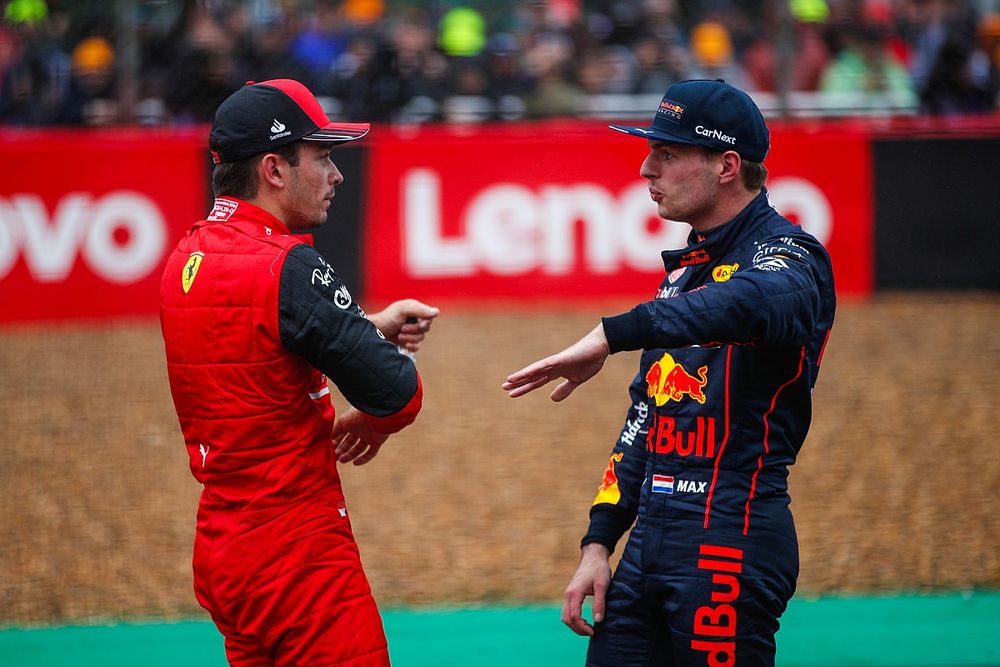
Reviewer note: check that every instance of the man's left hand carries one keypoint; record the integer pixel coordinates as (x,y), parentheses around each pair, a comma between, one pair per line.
(354,439)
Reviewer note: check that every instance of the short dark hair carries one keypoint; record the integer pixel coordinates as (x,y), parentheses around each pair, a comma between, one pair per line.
(754,175)
(239,179)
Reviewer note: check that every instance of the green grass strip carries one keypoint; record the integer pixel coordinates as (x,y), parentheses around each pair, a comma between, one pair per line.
(907,630)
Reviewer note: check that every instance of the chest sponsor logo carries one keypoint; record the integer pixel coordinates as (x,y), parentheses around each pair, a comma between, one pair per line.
(190,270)
(715,623)
(323,276)
(695,437)
(667,380)
(694,258)
(724,272)
(342,298)
(667,292)
(676,274)
(776,255)
(609,492)
(772,263)
(633,427)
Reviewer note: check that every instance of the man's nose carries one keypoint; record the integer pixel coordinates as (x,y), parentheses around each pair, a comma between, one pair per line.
(336,178)
(646,170)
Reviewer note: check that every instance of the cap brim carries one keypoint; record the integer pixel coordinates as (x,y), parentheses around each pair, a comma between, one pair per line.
(653,134)
(339,133)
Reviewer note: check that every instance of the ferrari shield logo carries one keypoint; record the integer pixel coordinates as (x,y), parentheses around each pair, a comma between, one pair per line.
(191,270)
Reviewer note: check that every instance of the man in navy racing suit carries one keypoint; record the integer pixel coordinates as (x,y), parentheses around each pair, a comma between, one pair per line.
(720,407)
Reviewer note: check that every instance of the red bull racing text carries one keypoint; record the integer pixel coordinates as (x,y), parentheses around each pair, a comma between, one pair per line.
(715,623)
(666,438)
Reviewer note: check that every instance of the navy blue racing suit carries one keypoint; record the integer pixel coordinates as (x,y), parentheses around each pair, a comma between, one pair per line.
(720,407)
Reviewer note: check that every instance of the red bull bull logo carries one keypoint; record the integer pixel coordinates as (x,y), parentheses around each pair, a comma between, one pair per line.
(667,380)
(609,491)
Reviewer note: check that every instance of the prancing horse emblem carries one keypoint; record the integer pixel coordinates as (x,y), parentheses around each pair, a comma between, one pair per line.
(191,270)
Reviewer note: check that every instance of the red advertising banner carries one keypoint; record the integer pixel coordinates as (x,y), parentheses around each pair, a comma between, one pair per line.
(558,210)
(88,217)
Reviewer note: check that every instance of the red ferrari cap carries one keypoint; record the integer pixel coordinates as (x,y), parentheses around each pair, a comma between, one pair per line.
(260,117)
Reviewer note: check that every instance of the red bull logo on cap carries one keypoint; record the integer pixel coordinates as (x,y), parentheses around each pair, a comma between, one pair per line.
(671,110)
(667,380)
(609,492)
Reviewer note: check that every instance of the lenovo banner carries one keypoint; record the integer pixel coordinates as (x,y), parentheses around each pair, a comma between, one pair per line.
(558,211)
(87,219)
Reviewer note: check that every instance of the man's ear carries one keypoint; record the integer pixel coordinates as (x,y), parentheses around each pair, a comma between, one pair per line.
(730,168)
(272,169)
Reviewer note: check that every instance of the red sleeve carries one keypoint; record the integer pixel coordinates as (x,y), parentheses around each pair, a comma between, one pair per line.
(399,420)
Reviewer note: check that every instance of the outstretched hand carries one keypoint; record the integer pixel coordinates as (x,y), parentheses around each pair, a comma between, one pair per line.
(354,439)
(576,364)
(405,322)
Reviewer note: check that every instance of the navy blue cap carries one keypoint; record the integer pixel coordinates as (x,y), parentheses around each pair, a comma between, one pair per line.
(708,113)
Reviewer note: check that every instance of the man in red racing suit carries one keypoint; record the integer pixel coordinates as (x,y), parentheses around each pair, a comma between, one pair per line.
(254,324)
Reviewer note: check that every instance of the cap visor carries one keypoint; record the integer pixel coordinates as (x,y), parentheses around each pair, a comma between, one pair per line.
(652,134)
(339,133)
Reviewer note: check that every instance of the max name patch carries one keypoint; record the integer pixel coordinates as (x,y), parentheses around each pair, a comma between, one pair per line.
(670,110)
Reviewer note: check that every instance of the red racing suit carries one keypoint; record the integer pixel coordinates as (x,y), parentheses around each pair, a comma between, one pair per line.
(254,322)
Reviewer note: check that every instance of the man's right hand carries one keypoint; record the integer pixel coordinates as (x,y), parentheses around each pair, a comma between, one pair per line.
(592,578)
(576,364)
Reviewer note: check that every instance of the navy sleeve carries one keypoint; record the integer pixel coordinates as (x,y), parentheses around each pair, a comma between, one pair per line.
(617,502)
(776,301)
(319,321)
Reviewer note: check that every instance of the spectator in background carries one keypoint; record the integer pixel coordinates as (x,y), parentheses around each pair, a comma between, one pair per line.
(462,32)
(507,82)
(324,39)
(555,94)
(950,72)
(16,83)
(35,73)
(469,102)
(92,95)
(26,11)
(810,54)
(712,49)
(658,65)
(261,48)
(204,74)
(989,42)
(866,73)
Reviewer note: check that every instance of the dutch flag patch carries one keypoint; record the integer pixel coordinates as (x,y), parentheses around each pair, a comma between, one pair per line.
(663,484)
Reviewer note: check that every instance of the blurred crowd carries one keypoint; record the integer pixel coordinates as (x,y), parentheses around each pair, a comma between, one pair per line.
(92,62)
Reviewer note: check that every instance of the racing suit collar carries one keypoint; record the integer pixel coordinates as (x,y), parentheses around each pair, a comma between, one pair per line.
(703,246)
